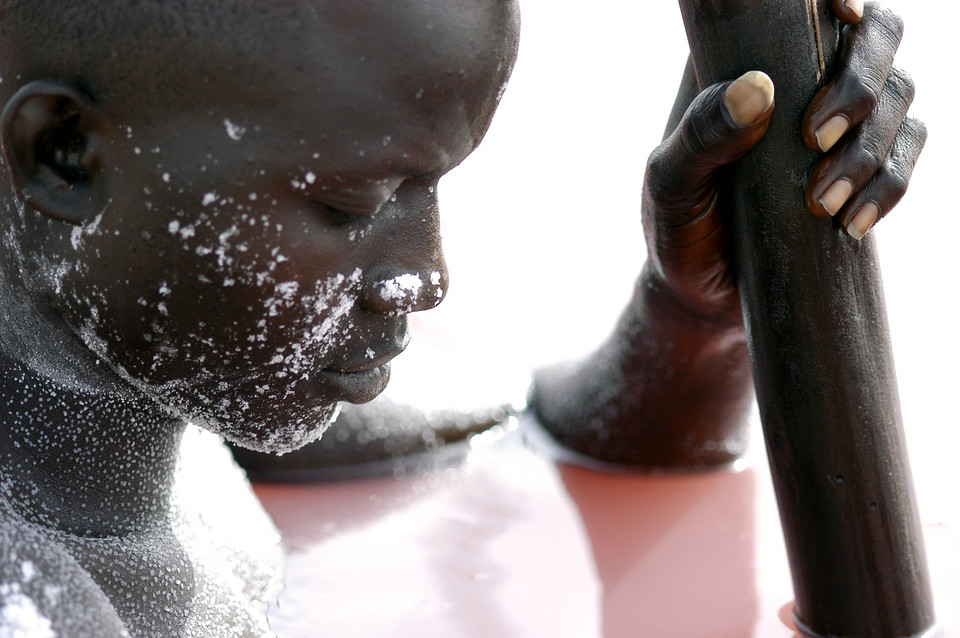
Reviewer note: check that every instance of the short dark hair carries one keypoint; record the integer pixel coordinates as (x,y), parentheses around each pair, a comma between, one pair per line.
(136,50)
(130,52)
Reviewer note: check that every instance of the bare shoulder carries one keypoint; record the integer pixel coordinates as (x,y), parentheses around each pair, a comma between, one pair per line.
(45,593)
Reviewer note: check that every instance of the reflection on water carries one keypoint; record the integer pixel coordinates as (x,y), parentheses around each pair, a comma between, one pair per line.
(511,544)
(466,552)
(675,554)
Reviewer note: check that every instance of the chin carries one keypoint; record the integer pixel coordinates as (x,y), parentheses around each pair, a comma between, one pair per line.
(282,432)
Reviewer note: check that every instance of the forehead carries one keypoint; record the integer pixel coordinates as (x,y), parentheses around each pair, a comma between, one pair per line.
(422,76)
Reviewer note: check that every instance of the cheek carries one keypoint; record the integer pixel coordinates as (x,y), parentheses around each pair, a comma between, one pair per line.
(294,332)
(207,308)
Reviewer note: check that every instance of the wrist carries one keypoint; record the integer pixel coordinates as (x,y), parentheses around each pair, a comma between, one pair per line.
(718,311)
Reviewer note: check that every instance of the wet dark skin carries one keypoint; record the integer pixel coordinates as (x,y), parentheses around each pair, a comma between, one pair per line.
(671,386)
(245,262)
(155,280)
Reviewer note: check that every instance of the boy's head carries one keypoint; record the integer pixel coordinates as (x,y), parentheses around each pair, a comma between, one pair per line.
(232,203)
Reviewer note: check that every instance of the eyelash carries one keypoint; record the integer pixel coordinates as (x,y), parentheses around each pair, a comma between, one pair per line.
(334,216)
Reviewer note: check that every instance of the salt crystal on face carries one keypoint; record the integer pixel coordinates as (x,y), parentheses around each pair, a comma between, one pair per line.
(400,286)
(287,289)
(435,278)
(234,131)
(227,234)
(209,198)
(28,570)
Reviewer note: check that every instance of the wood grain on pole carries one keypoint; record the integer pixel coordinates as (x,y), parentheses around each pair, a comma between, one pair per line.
(816,324)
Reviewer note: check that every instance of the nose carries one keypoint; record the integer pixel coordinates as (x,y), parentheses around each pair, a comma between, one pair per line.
(410,272)
(404,293)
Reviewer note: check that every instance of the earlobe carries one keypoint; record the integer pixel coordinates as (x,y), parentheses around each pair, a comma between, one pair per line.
(51,134)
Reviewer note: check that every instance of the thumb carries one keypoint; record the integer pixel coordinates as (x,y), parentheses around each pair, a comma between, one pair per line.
(720,126)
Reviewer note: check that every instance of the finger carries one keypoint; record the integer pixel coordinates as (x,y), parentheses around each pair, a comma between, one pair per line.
(867,51)
(888,185)
(848,11)
(721,124)
(852,164)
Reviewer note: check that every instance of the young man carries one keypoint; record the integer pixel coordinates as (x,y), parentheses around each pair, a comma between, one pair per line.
(225,220)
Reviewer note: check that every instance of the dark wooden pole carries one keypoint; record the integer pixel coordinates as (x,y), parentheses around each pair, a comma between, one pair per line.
(816,324)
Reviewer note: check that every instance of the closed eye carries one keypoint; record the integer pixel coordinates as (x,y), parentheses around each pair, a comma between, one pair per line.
(334,216)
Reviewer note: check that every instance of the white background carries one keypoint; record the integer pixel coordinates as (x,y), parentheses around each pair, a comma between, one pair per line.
(542,223)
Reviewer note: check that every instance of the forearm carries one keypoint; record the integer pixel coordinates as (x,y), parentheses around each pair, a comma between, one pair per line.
(669,388)
(672,384)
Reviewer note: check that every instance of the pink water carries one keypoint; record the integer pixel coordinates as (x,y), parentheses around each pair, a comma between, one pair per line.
(512,545)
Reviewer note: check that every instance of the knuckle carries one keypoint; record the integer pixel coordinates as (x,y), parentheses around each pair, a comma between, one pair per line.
(658,172)
(864,91)
(888,24)
(655,165)
(916,130)
(894,182)
(695,130)
(908,144)
(694,138)
(702,129)
(901,84)
(871,155)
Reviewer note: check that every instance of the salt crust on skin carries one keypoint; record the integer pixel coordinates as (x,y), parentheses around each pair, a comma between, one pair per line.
(401,287)
(19,615)
(43,590)
(213,569)
(321,329)
(233,544)
(404,290)
(230,543)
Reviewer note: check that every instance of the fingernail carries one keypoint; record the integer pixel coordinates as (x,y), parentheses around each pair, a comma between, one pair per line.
(862,220)
(856,6)
(831,131)
(748,97)
(836,196)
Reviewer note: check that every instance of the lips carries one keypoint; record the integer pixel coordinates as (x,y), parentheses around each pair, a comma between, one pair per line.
(363,381)
(358,386)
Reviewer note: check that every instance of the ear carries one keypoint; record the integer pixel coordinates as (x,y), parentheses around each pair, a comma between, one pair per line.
(52,137)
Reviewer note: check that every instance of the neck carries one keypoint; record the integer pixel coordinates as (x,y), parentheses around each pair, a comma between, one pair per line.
(88,463)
